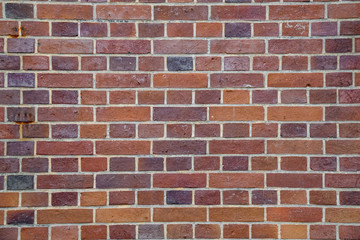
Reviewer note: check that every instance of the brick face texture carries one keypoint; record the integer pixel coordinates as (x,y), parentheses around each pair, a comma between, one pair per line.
(179,119)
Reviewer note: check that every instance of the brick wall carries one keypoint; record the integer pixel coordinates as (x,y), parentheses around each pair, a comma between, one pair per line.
(174,119)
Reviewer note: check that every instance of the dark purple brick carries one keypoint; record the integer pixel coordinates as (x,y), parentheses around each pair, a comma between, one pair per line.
(265,96)
(153,231)
(65,63)
(207,97)
(180,114)
(21,80)
(123,181)
(64,199)
(237,30)
(21,114)
(64,131)
(324,28)
(339,79)
(338,45)
(36,97)
(264,197)
(323,63)
(65,29)
(9,165)
(323,163)
(349,96)
(350,62)
(9,96)
(323,130)
(19,10)
(93,29)
(25,148)
(151,164)
(17,217)
(168,147)
(235,163)
(178,197)
(235,130)
(21,45)
(293,130)
(179,63)
(9,62)
(122,63)
(207,197)
(35,165)
(122,130)
(178,163)
(20,182)
(350,198)
(64,97)
(122,164)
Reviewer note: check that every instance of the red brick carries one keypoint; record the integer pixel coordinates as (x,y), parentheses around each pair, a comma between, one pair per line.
(295,29)
(238,214)
(32,28)
(238,12)
(151,30)
(65,46)
(295,12)
(294,163)
(212,29)
(180,46)
(93,30)
(180,30)
(180,13)
(123,12)
(206,163)
(180,80)
(50,216)
(179,214)
(349,232)
(59,232)
(122,147)
(293,214)
(150,197)
(293,197)
(264,231)
(34,199)
(179,231)
(294,180)
(122,30)
(123,46)
(151,63)
(236,231)
(296,46)
(172,180)
(342,215)
(119,215)
(64,181)
(245,46)
(266,29)
(344,11)
(110,80)
(31,233)
(236,180)
(64,80)
(323,28)
(56,11)
(242,113)
(64,148)
(93,232)
(207,231)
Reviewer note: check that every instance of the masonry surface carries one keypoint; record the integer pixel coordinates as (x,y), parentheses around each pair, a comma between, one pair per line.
(173,119)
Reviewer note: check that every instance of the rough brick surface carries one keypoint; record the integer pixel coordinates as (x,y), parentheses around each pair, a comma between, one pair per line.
(179,119)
